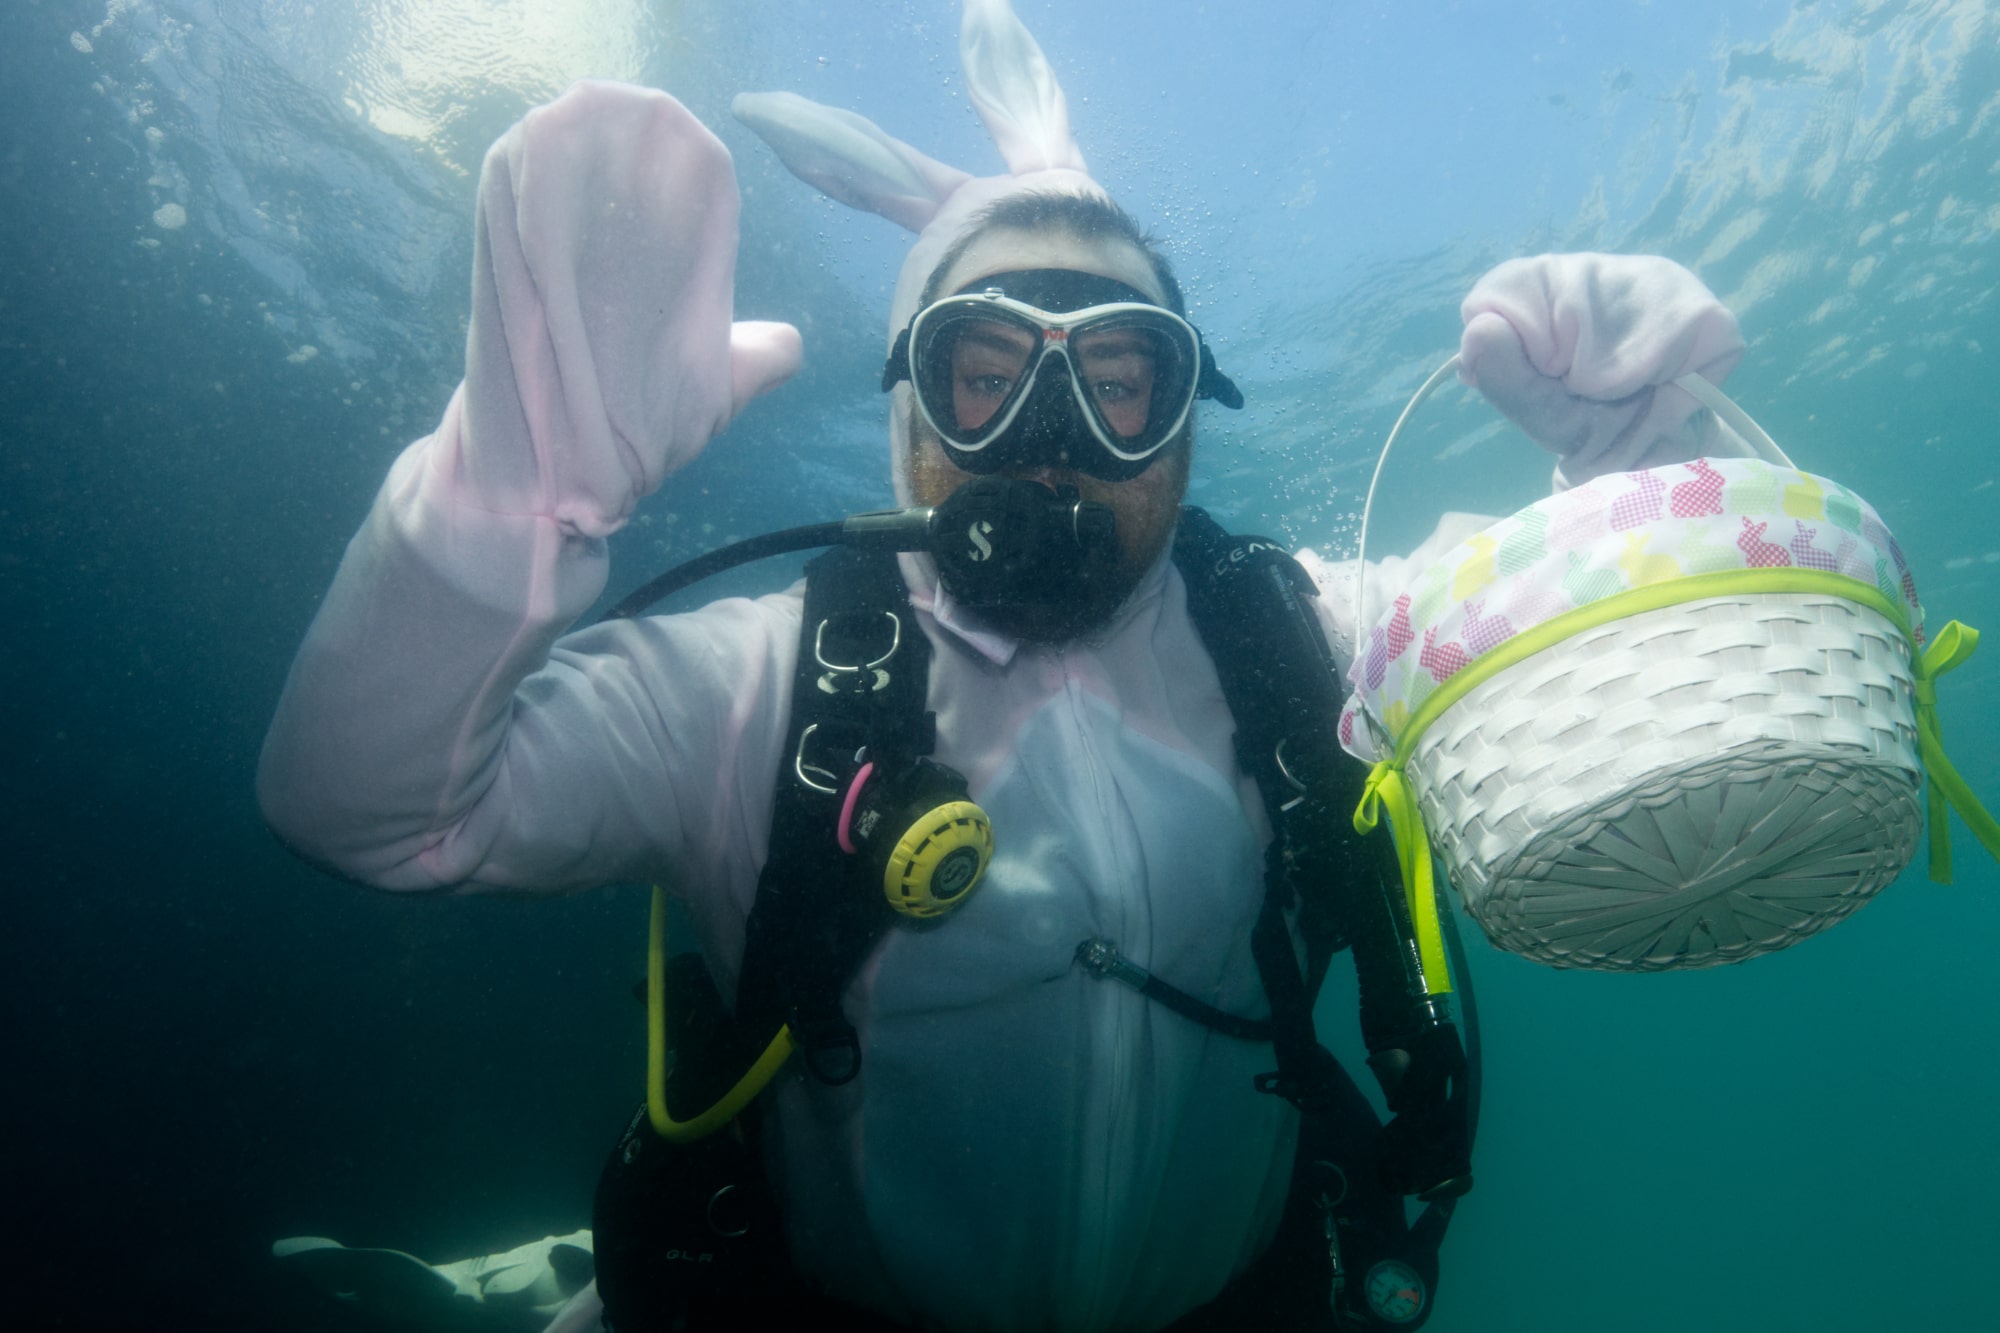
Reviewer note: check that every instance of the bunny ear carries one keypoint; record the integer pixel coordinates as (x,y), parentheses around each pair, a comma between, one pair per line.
(1015,91)
(849,158)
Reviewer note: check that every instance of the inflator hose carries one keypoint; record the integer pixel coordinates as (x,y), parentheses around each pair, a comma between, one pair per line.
(761,1072)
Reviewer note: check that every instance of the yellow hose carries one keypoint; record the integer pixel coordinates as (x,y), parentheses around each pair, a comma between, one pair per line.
(715,1117)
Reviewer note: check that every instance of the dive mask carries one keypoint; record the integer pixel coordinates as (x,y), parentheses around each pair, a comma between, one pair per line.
(1005,375)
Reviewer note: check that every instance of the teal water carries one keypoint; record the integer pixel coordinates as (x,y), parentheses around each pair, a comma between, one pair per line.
(214,1046)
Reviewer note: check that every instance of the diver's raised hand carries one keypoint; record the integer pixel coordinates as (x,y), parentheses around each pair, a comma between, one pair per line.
(602,353)
(1581,351)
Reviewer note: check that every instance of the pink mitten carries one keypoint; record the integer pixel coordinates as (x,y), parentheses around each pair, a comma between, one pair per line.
(1581,351)
(602,355)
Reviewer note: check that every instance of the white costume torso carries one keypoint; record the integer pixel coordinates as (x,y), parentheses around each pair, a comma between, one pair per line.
(1030,1147)
(1026,1147)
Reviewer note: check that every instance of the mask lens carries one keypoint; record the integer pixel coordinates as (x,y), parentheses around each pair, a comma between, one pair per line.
(1136,372)
(969,366)
(1132,369)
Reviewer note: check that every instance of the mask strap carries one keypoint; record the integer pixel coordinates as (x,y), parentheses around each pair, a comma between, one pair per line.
(1212,383)
(897,368)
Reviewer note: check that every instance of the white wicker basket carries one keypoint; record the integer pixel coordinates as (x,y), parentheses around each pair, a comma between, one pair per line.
(1671,718)
(1682,787)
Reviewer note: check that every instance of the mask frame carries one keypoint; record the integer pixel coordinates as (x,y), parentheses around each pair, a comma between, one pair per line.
(1030,425)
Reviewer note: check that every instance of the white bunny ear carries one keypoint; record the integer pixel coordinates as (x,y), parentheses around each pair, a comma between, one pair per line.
(849,158)
(1015,91)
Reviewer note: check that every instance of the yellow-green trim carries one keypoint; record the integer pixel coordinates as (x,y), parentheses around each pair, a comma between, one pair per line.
(1633,601)
(1388,787)
(1953,645)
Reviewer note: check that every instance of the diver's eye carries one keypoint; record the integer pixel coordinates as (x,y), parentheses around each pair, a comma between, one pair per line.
(988,359)
(986,386)
(1121,385)
(976,395)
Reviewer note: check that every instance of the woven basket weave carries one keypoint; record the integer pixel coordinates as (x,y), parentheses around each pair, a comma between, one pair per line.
(1680,788)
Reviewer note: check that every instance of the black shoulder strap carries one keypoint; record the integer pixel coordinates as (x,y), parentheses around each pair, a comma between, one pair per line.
(1253,606)
(862,680)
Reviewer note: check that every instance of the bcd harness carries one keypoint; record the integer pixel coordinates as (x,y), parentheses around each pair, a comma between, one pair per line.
(856,773)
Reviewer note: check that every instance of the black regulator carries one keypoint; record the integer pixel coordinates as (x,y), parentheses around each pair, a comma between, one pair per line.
(998,541)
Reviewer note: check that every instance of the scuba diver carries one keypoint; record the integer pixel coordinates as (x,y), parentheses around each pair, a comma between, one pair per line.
(1014,839)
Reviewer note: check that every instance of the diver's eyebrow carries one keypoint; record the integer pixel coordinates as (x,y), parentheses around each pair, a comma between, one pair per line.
(1117,342)
(999,337)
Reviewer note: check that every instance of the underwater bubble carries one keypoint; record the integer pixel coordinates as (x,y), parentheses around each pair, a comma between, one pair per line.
(170,217)
(81,43)
(303,355)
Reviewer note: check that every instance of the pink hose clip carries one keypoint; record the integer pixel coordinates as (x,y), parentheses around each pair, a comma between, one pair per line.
(844,829)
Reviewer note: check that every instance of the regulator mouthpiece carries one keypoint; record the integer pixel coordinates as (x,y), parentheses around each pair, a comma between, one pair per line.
(1005,542)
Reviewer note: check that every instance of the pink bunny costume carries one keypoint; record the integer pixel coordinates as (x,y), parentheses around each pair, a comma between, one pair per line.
(1026,1147)
(1063,1153)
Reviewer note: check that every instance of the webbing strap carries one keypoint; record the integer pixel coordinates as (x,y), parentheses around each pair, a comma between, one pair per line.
(1100,957)
(862,679)
(1253,607)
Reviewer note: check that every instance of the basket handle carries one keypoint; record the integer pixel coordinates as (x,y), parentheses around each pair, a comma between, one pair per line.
(1720,403)
(1368,505)
(1703,390)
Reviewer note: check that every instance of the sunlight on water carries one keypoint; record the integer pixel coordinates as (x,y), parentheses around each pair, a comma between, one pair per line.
(418,65)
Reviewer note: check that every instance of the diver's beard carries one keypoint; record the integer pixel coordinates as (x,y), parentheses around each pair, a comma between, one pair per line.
(1147,508)
(1085,606)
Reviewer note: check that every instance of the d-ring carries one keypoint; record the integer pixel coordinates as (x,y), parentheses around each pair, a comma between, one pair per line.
(715,1226)
(799,766)
(1284,769)
(895,642)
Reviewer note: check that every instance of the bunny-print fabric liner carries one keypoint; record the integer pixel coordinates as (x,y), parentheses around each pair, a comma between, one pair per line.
(1621,531)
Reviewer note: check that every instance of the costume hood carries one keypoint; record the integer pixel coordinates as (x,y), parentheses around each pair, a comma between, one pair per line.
(850,158)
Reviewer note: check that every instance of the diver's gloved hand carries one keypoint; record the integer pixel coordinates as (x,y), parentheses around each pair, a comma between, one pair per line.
(1581,351)
(602,355)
